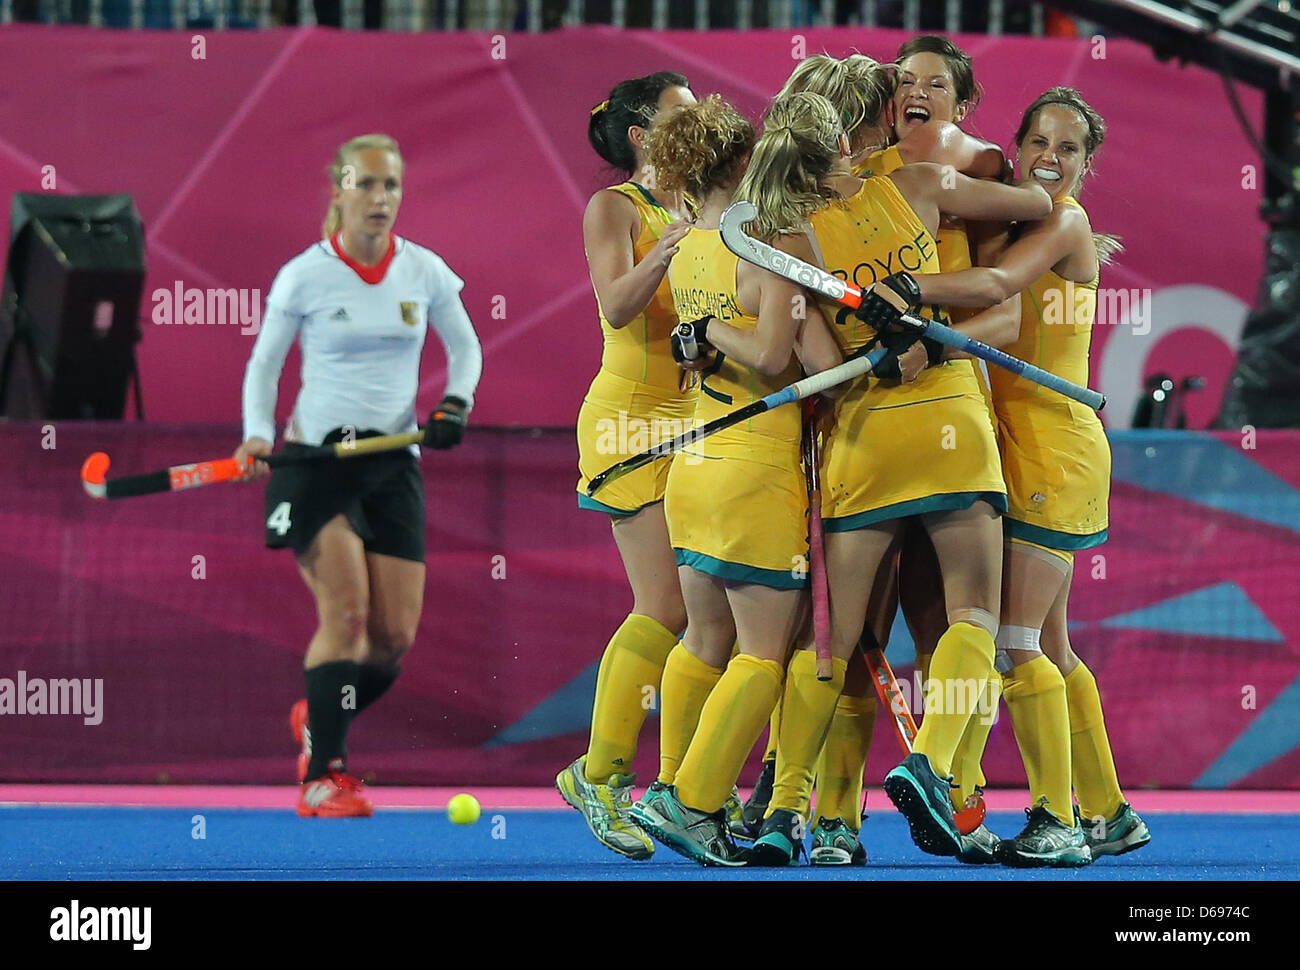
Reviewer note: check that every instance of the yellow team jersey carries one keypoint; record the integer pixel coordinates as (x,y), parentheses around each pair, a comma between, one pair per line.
(736,502)
(635,400)
(639,351)
(953,243)
(1054,450)
(879,163)
(894,450)
(703,278)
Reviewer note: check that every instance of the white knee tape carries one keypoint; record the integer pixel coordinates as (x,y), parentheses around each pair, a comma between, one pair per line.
(1023,638)
(976,616)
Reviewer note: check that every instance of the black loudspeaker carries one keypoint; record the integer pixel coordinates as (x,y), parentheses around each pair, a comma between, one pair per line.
(70,315)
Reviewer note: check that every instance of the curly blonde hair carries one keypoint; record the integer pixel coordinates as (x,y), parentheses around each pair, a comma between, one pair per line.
(700,147)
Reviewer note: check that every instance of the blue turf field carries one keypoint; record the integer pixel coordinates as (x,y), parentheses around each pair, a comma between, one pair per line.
(41,842)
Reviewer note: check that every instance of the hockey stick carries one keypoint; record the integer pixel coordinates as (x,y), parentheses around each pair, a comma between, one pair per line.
(967,819)
(816,547)
(95,468)
(819,281)
(797,391)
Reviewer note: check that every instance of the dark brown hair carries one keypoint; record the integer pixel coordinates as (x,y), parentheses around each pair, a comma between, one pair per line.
(632,102)
(965,86)
(1107,245)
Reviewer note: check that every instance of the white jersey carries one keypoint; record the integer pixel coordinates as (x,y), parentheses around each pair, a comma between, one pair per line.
(361,340)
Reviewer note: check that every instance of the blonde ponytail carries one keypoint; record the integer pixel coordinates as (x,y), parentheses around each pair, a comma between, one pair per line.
(1108,247)
(857,86)
(333,217)
(798,149)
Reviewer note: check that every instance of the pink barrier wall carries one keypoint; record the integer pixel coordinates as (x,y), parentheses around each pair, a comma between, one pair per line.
(1188,617)
(226,159)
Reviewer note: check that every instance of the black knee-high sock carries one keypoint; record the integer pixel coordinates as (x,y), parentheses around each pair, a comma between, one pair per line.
(331,704)
(372,681)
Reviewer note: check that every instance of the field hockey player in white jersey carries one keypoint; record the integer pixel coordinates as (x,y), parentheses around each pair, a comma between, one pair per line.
(359,303)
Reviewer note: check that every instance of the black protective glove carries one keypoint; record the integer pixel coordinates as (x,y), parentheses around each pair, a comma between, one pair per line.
(897,343)
(884,303)
(446,425)
(696,329)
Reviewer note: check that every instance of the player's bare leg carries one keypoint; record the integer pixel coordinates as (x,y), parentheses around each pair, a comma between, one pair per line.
(968,544)
(334,569)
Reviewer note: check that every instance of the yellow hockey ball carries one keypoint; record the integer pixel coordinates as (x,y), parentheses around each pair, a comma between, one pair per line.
(464,809)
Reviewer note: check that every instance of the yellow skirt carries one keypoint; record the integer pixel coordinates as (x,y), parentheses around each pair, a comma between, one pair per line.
(620,418)
(905,449)
(737,508)
(1056,460)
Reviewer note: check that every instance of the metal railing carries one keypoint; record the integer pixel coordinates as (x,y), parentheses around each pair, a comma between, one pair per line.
(946,16)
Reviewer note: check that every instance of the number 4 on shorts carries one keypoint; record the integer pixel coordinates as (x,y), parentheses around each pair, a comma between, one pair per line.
(279,519)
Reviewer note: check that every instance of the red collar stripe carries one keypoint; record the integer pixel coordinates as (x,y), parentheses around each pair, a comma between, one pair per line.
(370,274)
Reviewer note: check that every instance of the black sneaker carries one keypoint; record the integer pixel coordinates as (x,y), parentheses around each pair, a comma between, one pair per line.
(923,798)
(1045,841)
(780,840)
(759,799)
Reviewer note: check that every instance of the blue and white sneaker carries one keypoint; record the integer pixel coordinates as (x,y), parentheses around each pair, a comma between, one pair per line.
(1123,832)
(835,844)
(1045,841)
(924,800)
(700,836)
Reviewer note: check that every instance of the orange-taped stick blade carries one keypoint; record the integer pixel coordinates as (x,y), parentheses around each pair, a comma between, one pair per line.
(204,473)
(94,474)
(891,695)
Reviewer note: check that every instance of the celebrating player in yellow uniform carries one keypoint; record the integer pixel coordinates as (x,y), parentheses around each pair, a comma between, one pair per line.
(867,230)
(1057,466)
(736,502)
(631,232)
(935,88)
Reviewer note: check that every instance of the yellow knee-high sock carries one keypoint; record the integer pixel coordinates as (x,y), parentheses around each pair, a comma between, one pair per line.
(966,771)
(633,660)
(959,671)
(807,709)
(730,723)
(1035,695)
(687,683)
(844,757)
(1095,781)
